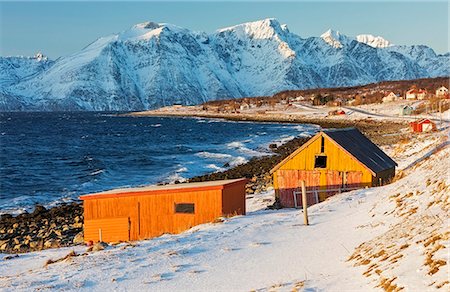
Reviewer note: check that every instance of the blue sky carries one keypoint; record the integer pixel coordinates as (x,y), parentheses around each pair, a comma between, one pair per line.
(61,28)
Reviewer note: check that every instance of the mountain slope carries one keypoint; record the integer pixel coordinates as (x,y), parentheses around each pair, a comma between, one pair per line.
(152,65)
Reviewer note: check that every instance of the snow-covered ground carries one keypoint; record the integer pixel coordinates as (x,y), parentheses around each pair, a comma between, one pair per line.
(386,237)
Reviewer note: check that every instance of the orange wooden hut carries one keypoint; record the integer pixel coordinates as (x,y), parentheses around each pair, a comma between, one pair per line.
(140,213)
(332,161)
(423,125)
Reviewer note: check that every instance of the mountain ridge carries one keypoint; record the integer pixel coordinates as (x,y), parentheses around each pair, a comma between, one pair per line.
(156,64)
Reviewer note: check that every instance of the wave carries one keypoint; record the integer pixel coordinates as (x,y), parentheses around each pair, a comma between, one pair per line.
(155,125)
(238,161)
(182,169)
(98,171)
(175,177)
(235,144)
(220,156)
(215,167)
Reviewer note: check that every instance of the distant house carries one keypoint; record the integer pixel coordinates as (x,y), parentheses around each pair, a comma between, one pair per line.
(244,106)
(390,97)
(411,94)
(416,94)
(422,94)
(423,125)
(406,110)
(330,162)
(297,98)
(442,92)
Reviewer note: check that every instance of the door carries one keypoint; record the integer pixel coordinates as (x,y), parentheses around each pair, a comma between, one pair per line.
(335,182)
(353,180)
(289,183)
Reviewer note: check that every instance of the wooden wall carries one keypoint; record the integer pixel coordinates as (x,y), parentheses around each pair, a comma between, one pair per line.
(154,214)
(233,200)
(338,163)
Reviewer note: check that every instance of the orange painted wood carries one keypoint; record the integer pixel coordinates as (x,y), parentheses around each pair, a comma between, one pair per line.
(289,181)
(153,214)
(334,183)
(301,165)
(233,203)
(112,229)
(354,179)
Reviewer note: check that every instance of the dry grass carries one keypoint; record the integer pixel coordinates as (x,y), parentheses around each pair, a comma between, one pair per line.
(388,285)
(68,256)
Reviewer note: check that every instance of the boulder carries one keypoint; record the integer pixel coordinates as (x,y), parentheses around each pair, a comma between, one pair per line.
(79,238)
(34,244)
(52,243)
(77,225)
(38,210)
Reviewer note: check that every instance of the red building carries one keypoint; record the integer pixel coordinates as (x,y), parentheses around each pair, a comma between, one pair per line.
(423,125)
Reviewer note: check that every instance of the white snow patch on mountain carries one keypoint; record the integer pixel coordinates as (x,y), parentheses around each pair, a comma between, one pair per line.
(158,64)
(373,41)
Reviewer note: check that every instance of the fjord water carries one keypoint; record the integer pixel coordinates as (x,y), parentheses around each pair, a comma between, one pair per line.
(54,157)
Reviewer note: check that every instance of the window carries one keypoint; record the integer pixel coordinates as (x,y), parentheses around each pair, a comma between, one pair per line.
(185,208)
(320,162)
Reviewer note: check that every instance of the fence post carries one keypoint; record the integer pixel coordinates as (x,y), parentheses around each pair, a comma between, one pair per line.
(305,203)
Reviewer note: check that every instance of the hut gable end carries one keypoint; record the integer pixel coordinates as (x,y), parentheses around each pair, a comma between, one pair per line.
(345,146)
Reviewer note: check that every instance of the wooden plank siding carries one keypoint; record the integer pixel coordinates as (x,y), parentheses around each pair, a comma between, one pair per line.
(151,213)
(339,165)
(233,203)
(109,230)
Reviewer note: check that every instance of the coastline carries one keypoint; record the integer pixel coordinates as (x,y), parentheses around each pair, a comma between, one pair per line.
(62,225)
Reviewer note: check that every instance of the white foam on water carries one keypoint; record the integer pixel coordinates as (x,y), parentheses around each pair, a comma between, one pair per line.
(238,161)
(182,169)
(99,171)
(235,144)
(205,154)
(215,167)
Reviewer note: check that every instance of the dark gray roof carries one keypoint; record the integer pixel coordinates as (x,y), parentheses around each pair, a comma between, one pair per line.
(361,148)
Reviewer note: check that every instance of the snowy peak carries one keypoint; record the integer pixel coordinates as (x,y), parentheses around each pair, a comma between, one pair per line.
(147,30)
(333,38)
(155,64)
(338,40)
(147,25)
(373,41)
(261,29)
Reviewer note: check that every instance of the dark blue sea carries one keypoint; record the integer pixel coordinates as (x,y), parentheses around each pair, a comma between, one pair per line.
(49,158)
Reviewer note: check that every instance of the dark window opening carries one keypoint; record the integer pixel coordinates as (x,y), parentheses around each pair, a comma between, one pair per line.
(186,208)
(320,162)
(322,145)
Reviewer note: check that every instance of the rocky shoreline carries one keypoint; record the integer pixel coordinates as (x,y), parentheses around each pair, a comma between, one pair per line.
(63,225)
(56,227)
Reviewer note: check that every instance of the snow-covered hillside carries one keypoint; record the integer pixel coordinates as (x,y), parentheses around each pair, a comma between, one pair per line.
(391,237)
(152,65)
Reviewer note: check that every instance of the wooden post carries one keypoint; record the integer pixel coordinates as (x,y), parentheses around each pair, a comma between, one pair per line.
(305,203)
(100,234)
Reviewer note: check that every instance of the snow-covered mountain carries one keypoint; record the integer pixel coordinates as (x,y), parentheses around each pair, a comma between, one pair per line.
(152,65)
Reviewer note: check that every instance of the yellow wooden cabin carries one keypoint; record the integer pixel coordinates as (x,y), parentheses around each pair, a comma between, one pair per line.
(331,162)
